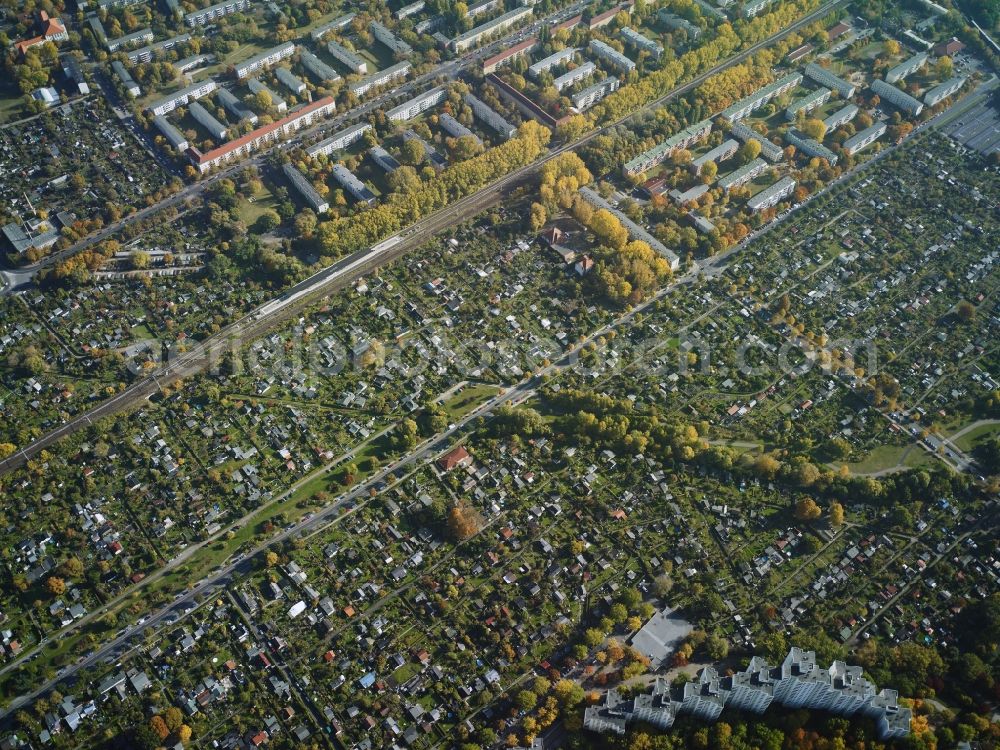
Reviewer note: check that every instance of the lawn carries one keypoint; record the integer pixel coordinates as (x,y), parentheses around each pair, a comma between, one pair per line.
(251,209)
(468,399)
(973,437)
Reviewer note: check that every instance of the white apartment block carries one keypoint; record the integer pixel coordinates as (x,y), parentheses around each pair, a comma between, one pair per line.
(277,102)
(473,37)
(574,76)
(145,54)
(807,103)
(905,68)
(290,81)
(641,42)
(547,63)
(390,40)
(489,116)
(611,56)
(305,189)
(207,120)
(338,141)
(865,138)
(182,97)
(897,97)
(593,94)
(749,104)
(205,16)
(264,60)
(381,78)
(347,57)
(319,69)
(767,198)
(336,24)
(420,103)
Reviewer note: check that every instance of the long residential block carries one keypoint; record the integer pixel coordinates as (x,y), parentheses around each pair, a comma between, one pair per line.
(255,140)
(634,230)
(127,81)
(806,104)
(147,53)
(142,36)
(305,189)
(574,76)
(317,68)
(473,37)
(594,93)
(809,146)
(641,42)
(390,40)
(663,151)
(339,141)
(906,68)
(865,138)
(342,22)
(182,97)
(841,117)
(396,72)
(723,151)
(553,60)
(798,682)
(177,140)
(942,91)
(256,87)
(454,128)
(824,77)
(420,103)
(205,16)
(208,121)
(347,57)
(264,60)
(611,56)
(235,107)
(743,175)
(489,116)
(749,104)
(290,81)
(897,97)
(355,187)
(768,150)
(771,196)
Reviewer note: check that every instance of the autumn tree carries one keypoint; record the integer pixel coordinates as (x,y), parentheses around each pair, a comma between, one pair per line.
(55,585)
(836,514)
(814,128)
(807,510)
(463,521)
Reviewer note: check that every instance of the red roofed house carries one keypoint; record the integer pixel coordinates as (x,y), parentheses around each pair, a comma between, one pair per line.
(839,30)
(950,48)
(454,459)
(49,30)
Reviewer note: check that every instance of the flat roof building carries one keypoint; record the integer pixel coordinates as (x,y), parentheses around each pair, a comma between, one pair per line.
(145,54)
(207,120)
(641,42)
(519,50)
(897,97)
(290,81)
(354,187)
(490,117)
(553,60)
(396,45)
(743,175)
(473,37)
(410,10)
(454,128)
(806,104)
(942,91)
(128,83)
(768,150)
(723,151)
(809,146)
(381,78)
(420,103)
(674,22)
(339,141)
(207,15)
(178,142)
(593,94)
(305,189)
(257,87)
(431,154)
(264,60)
(317,68)
(383,159)
(865,138)
(906,68)
(841,117)
(574,76)
(611,56)
(341,22)
(663,151)
(752,8)
(635,231)
(354,62)
(129,40)
(749,104)
(182,97)
(771,196)
(824,77)
(235,107)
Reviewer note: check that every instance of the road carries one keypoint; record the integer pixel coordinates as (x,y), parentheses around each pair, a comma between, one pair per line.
(350,268)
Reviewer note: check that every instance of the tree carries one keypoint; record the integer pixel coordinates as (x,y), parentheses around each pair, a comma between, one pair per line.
(159,726)
(55,585)
(272,558)
(749,151)
(174,718)
(716,647)
(412,152)
(139,260)
(305,223)
(891,47)
(568,693)
(463,521)
(267,221)
(526,700)
(807,510)
(537,217)
(72,567)
(7,449)
(406,436)
(708,171)
(836,514)
(966,311)
(184,733)
(814,128)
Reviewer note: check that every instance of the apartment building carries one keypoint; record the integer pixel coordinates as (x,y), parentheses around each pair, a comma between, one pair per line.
(354,62)
(864,138)
(342,22)
(420,103)
(749,104)
(824,77)
(633,38)
(723,151)
(942,91)
(806,104)
(473,37)
(611,56)
(593,94)
(635,231)
(178,142)
(574,76)
(809,146)
(663,151)
(290,81)
(767,198)
(208,121)
(235,107)
(182,97)
(897,97)
(338,141)
(305,189)
(380,78)
(128,83)
(317,68)
(354,187)
(554,60)
(264,60)
(205,16)
(390,40)
(841,117)
(489,116)
(147,53)
(743,175)
(906,68)
(257,87)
